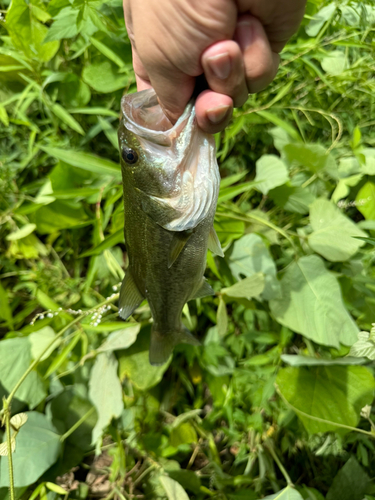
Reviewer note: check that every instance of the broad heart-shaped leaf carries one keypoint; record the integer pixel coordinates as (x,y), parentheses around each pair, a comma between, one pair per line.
(121,339)
(335,394)
(333,232)
(37,448)
(365,201)
(287,493)
(249,255)
(310,156)
(173,489)
(246,288)
(15,356)
(39,341)
(105,392)
(364,347)
(317,22)
(311,304)
(270,173)
(104,77)
(134,363)
(350,483)
(335,62)
(27,33)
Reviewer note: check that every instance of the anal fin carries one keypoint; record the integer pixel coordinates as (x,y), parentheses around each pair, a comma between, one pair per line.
(180,238)
(162,344)
(214,243)
(202,291)
(130,296)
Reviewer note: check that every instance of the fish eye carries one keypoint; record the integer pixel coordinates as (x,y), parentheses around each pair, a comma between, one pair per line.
(129,155)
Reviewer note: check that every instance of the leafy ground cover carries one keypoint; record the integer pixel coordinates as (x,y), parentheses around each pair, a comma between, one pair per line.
(277,402)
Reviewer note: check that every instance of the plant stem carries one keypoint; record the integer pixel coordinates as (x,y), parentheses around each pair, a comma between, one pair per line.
(269,446)
(58,335)
(77,424)
(9,444)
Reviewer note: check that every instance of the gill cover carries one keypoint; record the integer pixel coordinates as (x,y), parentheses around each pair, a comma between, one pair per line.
(184,156)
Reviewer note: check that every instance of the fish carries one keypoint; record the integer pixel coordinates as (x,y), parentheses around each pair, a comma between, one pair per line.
(171,184)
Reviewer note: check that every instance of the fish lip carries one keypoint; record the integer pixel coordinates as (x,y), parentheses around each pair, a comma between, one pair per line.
(163,138)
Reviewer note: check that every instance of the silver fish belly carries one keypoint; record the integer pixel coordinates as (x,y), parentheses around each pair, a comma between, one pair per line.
(171,184)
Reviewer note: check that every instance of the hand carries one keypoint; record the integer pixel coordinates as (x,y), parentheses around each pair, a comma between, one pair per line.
(236,45)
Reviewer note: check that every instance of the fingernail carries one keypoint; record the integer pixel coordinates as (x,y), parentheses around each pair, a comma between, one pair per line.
(244,32)
(220,65)
(217,114)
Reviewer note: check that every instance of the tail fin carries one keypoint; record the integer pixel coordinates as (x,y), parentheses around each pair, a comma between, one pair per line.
(162,344)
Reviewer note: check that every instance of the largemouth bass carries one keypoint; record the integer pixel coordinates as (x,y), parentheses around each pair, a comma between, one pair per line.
(171,183)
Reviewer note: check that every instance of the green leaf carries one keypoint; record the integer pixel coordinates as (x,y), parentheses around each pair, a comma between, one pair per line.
(279,122)
(134,363)
(15,355)
(107,52)
(324,14)
(21,233)
(183,434)
(311,304)
(287,493)
(5,310)
(369,166)
(27,33)
(333,232)
(228,229)
(121,339)
(350,483)
(249,255)
(104,77)
(364,347)
(270,173)
(62,356)
(335,62)
(222,318)
(335,394)
(67,118)
(65,25)
(4,116)
(59,215)
(105,392)
(228,193)
(173,489)
(246,288)
(365,200)
(111,241)
(298,360)
(37,448)
(39,341)
(85,161)
(310,156)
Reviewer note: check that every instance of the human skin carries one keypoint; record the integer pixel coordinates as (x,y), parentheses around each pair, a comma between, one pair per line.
(234,43)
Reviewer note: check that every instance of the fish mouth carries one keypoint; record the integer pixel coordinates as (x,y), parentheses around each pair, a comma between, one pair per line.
(143,115)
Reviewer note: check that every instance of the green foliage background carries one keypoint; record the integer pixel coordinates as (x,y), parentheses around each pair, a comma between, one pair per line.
(277,402)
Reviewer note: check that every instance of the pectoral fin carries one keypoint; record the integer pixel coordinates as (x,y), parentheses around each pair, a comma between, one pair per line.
(202,291)
(130,296)
(214,243)
(180,238)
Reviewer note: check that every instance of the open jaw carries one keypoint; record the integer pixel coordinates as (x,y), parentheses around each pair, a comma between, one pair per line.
(144,116)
